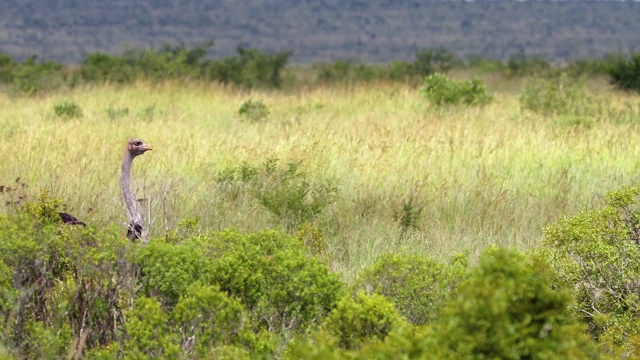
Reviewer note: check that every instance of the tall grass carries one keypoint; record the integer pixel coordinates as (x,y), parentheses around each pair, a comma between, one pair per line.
(474,176)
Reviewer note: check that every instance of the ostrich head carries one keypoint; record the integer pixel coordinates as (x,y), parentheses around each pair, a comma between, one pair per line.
(137,147)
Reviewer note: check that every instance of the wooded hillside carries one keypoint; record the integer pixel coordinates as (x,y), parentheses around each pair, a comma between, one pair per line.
(322,30)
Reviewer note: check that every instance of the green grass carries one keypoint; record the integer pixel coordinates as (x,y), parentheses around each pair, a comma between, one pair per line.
(486,175)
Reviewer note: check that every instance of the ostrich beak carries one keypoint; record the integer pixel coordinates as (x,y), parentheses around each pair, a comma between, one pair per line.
(146,147)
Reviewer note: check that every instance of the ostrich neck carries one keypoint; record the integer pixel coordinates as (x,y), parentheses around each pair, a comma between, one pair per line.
(125,184)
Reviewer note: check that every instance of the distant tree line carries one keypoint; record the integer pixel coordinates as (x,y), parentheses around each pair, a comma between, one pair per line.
(252,68)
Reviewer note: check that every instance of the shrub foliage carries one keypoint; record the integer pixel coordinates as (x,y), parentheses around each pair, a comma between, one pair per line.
(598,253)
(507,309)
(624,72)
(67,290)
(419,287)
(73,292)
(286,191)
(440,90)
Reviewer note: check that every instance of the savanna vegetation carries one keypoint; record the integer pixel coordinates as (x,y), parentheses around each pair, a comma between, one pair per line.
(435,208)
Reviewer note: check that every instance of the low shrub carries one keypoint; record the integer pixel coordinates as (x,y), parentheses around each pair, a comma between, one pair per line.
(624,72)
(598,254)
(250,68)
(285,191)
(590,67)
(560,95)
(346,71)
(314,240)
(441,90)
(30,76)
(68,284)
(527,65)
(254,110)
(417,286)
(434,60)
(148,332)
(507,309)
(204,321)
(407,215)
(115,113)
(208,318)
(485,65)
(67,109)
(268,272)
(355,322)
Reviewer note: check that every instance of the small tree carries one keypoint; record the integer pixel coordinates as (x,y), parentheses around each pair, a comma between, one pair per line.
(434,60)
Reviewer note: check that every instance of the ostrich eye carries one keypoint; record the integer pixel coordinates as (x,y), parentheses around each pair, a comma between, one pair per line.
(138,143)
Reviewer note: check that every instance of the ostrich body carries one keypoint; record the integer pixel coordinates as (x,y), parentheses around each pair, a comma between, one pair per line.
(134,148)
(70,219)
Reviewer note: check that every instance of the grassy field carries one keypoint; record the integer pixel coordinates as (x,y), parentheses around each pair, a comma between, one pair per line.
(462,178)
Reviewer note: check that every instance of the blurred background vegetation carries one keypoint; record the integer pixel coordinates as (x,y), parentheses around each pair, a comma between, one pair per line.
(371,31)
(251,68)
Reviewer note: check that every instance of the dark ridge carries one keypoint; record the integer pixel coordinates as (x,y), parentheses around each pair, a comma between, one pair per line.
(372,31)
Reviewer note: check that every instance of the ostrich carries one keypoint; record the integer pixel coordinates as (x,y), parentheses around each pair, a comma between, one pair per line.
(70,219)
(134,148)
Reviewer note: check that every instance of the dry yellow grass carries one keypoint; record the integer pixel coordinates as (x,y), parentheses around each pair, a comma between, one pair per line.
(487,175)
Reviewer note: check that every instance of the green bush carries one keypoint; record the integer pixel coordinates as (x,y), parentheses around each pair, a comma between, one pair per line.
(484,65)
(561,95)
(598,253)
(345,71)
(440,90)
(8,294)
(205,322)
(115,113)
(403,341)
(148,332)
(69,290)
(314,240)
(590,67)
(433,60)
(355,322)
(101,68)
(6,69)
(407,215)
(208,318)
(507,309)
(67,109)
(525,65)
(624,72)
(268,272)
(250,68)
(30,76)
(271,274)
(254,111)
(68,284)
(286,192)
(417,286)
(291,195)
(426,62)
